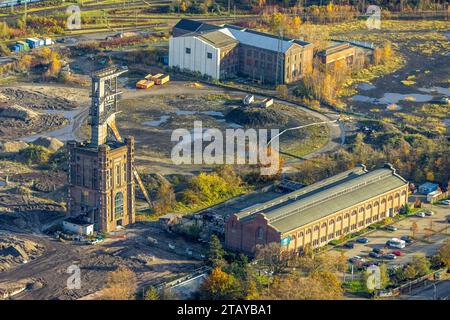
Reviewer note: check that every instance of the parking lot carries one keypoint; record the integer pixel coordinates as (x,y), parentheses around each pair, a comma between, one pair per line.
(429,246)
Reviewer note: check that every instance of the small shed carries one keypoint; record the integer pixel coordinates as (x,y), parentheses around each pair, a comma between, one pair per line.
(428,187)
(78,226)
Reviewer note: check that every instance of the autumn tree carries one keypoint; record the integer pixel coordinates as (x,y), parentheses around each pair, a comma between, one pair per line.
(164,199)
(272,257)
(414,229)
(220,286)
(410,272)
(321,286)
(444,253)
(121,285)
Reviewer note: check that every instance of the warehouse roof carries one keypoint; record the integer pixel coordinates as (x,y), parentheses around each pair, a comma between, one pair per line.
(326,197)
(217,39)
(260,39)
(195,26)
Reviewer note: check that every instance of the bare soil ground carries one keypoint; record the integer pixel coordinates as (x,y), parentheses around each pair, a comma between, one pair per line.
(153,264)
(38,99)
(425,47)
(15,251)
(151,116)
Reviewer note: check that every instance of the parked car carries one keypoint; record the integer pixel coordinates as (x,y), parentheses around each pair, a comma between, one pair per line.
(362,240)
(420,214)
(367,264)
(391,228)
(356,259)
(349,245)
(375,255)
(398,253)
(379,251)
(429,213)
(390,256)
(407,239)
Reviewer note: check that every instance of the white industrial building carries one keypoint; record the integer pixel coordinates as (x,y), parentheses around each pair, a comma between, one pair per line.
(230,51)
(198,53)
(78,226)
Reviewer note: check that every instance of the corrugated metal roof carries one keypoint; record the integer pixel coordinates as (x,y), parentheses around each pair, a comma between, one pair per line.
(257,39)
(327,197)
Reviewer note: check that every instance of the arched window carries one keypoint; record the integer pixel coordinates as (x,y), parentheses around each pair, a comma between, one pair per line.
(260,233)
(308,231)
(324,225)
(376,204)
(369,207)
(353,213)
(346,216)
(339,219)
(118,204)
(316,228)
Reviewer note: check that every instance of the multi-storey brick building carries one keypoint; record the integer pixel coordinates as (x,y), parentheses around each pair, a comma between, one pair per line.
(101,171)
(319,213)
(230,51)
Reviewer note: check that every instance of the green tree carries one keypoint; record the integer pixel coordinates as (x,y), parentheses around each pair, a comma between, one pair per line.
(152,294)
(421,264)
(410,272)
(215,252)
(35,154)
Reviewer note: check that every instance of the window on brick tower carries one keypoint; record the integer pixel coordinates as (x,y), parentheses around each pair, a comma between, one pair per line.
(118,205)
(118,174)
(260,233)
(124,172)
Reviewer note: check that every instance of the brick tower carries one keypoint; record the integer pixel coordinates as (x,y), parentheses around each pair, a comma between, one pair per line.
(101,171)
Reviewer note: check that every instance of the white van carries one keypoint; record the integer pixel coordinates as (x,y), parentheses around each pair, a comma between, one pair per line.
(397,243)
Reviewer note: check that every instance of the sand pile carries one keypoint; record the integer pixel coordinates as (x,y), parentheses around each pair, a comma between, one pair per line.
(50,143)
(17,112)
(15,251)
(12,146)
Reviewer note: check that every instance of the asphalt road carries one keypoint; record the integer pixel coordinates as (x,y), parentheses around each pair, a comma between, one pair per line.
(437,291)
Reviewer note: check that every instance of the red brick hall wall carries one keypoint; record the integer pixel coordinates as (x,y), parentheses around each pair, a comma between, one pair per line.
(243,235)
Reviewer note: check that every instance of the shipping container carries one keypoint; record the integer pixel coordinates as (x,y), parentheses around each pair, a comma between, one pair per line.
(23,45)
(33,42)
(160,78)
(48,41)
(144,84)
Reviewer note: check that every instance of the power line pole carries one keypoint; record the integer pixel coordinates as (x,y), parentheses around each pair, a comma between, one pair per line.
(279,56)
